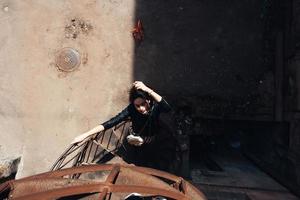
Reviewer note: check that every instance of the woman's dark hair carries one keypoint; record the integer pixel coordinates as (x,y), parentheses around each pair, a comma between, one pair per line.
(134,93)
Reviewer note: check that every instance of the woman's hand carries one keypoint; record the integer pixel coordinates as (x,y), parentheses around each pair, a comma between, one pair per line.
(135,140)
(87,135)
(79,139)
(139,85)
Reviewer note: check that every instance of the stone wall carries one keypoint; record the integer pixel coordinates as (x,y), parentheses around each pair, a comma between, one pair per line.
(43,108)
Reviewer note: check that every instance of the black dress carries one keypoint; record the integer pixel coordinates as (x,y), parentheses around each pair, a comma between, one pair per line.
(158,149)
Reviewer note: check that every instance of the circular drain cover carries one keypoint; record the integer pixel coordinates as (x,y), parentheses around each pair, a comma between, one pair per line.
(67,59)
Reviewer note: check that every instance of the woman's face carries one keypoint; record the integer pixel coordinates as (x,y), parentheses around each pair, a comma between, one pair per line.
(142,105)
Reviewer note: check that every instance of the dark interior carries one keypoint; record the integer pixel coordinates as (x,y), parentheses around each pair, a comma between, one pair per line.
(229,70)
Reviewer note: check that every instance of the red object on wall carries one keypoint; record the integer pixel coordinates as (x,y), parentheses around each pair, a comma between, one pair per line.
(138,31)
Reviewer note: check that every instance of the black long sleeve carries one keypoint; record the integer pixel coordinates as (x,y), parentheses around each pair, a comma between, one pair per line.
(123,115)
(138,120)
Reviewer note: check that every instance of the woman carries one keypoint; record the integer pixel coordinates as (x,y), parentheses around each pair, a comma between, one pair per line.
(148,144)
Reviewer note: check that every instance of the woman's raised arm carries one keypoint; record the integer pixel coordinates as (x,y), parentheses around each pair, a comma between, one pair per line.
(141,86)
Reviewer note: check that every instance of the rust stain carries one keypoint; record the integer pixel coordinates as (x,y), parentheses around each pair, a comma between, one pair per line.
(76,27)
(85,58)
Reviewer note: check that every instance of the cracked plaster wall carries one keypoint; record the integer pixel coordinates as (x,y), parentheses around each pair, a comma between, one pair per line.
(41,108)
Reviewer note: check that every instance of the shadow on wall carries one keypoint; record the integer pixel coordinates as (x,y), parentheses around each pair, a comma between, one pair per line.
(201,48)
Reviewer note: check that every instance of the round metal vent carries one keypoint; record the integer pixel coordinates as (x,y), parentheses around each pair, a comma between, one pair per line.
(67,59)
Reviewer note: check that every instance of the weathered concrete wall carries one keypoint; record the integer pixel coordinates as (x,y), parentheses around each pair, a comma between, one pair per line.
(42,108)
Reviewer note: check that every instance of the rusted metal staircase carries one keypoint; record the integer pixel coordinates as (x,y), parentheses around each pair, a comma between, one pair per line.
(93,149)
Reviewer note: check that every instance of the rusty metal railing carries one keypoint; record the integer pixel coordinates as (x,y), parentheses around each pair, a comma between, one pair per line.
(118,182)
(93,149)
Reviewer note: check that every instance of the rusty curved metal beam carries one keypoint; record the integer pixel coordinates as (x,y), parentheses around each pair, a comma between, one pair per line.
(54,185)
(112,177)
(74,170)
(106,167)
(99,188)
